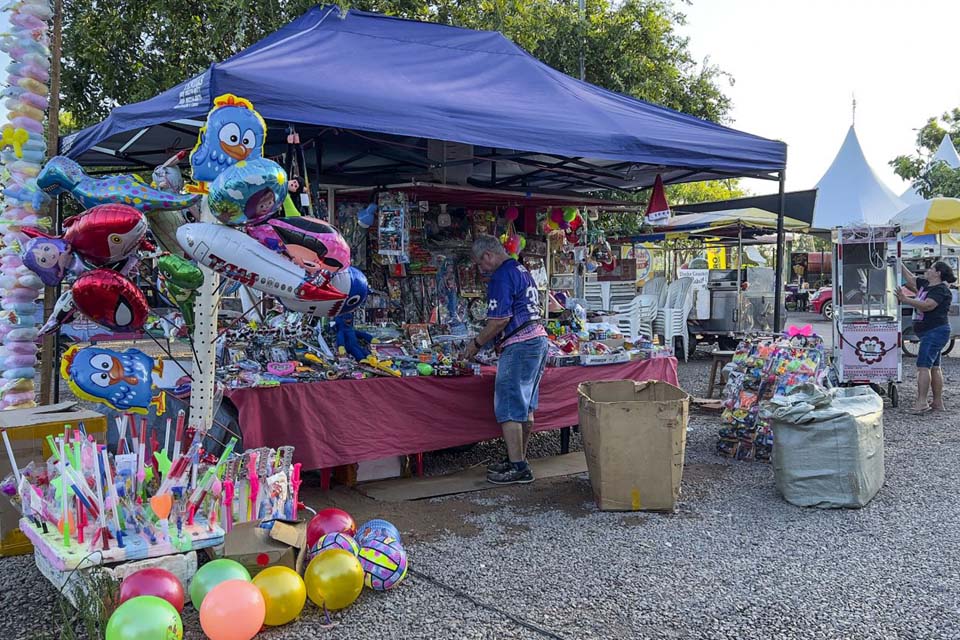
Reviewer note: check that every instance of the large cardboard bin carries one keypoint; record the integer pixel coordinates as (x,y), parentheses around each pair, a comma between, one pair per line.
(634,437)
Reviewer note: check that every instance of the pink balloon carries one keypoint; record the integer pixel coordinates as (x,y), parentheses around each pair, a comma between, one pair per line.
(512,214)
(233,610)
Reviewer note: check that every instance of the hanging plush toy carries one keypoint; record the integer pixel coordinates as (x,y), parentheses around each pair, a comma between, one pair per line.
(349,338)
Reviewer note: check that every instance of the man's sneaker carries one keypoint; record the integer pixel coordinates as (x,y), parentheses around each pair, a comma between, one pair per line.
(511,476)
(500,467)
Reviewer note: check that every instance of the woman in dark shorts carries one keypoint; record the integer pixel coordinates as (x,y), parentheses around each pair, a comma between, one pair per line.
(931,304)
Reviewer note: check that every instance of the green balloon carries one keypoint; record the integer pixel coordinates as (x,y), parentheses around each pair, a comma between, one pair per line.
(180,271)
(212,574)
(145,618)
(425,369)
(570,214)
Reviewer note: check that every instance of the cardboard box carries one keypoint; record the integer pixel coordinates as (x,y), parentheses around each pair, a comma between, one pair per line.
(256,548)
(389,467)
(27,430)
(609,358)
(634,438)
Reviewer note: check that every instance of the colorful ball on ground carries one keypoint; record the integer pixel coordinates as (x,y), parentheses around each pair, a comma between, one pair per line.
(330,521)
(145,618)
(334,541)
(212,574)
(384,563)
(284,594)
(153,582)
(376,529)
(233,610)
(334,579)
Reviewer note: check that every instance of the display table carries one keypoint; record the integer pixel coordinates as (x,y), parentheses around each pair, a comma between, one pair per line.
(346,421)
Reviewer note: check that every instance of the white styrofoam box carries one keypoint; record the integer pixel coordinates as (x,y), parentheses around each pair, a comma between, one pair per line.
(72,582)
(613,358)
(390,467)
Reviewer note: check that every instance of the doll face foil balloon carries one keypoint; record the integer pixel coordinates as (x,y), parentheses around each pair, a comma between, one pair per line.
(49,258)
(313,244)
(248,192)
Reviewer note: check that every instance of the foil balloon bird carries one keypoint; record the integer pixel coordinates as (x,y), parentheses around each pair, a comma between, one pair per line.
(234,133)
(63,175)
(124,381)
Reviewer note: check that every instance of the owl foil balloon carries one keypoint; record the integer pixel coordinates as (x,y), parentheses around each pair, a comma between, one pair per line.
(234,133)
(122,381)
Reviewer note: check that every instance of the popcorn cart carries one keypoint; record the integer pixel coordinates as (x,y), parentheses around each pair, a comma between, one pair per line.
(866,320)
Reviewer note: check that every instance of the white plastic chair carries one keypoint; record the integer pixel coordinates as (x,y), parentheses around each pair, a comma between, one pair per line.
(593,293)
(635,319)
(671,319)
(657,287)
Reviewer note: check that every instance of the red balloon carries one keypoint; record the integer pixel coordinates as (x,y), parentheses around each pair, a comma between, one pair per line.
(111,300)
(330,521)
(153,582)
(106,234)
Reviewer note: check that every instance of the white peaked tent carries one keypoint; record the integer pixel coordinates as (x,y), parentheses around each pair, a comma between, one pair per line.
(946,152)
(850,193)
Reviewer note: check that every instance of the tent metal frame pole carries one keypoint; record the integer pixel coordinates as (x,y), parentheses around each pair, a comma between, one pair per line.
(778,275)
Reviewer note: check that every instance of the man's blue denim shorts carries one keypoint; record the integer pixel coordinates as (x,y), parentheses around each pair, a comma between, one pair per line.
(517,389)
(932,343)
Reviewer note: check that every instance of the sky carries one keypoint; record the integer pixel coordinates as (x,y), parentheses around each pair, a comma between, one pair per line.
(798,64)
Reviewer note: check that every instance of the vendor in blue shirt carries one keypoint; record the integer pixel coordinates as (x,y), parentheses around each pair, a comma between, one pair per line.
(514,323)
(930,323)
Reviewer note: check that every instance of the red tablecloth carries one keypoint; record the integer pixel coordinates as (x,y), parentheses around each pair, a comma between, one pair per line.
(347,421)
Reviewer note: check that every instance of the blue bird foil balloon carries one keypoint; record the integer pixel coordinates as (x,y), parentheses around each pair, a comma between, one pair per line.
(234,133)
(250,192)
(63,175)
(121,380)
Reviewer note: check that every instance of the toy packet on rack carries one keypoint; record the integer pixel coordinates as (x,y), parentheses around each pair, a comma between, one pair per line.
(763,368)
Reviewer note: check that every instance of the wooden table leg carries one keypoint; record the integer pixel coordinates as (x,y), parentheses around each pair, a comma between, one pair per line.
(713,374)
(565,440)
(325,475)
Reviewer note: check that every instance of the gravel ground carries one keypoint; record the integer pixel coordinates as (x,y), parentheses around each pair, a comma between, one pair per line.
(734,561)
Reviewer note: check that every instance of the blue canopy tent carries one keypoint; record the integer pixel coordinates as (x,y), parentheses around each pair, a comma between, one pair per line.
(383,100)
(366,72)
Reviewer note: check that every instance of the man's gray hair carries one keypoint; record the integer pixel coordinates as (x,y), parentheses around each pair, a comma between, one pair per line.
(485,242)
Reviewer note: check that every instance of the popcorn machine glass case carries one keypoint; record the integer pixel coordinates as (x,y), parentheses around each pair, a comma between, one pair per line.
(866,311)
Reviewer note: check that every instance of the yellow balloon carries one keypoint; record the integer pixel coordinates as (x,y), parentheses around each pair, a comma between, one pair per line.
(283,592)
(334,578)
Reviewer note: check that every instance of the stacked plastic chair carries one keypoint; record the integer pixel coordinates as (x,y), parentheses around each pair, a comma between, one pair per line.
(657,287)
(671,321)
(635,319)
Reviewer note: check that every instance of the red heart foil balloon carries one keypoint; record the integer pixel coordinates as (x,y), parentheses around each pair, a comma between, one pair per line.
(110,300)
(106,234)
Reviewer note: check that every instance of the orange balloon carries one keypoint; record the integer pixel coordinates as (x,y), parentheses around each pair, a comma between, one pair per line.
(162,505)
(70,521)
(233,610)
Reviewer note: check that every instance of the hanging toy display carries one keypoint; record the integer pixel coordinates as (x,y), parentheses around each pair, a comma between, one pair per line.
(513,242)
(24,148)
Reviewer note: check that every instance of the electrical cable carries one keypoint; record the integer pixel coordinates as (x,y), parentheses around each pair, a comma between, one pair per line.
(466,596)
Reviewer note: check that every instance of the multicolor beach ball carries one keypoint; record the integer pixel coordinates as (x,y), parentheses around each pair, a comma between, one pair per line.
(334,541)
(384,563)
(376,529)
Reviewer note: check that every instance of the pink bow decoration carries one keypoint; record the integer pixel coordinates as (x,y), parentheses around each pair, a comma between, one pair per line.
(805,332)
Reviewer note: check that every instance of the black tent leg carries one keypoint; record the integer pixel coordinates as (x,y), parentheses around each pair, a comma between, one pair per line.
(778,265)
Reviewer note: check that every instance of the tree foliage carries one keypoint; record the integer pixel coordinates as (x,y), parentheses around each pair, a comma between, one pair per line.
(122,51)
(937,179)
